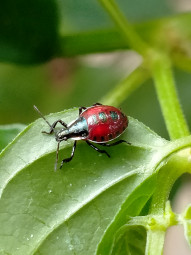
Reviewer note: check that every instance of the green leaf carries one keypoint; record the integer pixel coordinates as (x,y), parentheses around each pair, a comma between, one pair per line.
(118,232)
(130,240)
(8,133)
(28,31)
(47,212)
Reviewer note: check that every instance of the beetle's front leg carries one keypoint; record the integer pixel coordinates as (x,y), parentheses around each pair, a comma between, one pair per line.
(71,157)
(54,125)
(81,109)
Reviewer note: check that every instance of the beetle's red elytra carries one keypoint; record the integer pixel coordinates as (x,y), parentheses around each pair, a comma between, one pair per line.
(104,123)
(97,124)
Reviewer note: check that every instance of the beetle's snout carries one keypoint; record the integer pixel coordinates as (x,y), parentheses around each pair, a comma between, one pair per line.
(59,139)
(62,135)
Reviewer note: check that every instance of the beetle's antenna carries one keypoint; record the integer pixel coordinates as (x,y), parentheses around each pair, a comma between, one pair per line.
(36,109)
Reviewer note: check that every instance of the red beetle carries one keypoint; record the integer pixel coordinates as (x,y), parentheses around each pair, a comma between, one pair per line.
(98,124)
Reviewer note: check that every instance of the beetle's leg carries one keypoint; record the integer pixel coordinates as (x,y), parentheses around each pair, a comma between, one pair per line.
(70,158)
(97,104)
(81,109)
(115,143)
(97,149)
(54,125)
(57,151)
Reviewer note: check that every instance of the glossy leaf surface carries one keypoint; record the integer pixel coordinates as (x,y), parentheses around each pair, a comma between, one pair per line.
(43,212)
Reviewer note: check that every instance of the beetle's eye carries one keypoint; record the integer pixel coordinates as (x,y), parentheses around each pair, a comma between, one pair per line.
(84,134)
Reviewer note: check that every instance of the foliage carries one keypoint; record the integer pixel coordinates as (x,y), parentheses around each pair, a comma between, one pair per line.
(95,205)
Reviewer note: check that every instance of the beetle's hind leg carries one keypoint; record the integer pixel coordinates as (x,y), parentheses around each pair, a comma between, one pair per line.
(84,108)
(97,149)
(115,143)
(54,125)
(97,104)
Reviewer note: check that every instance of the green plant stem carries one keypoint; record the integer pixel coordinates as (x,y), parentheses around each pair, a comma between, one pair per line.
(178,164)
(168,98)
(126,87)
(156,236)
(125,28)
(155,242)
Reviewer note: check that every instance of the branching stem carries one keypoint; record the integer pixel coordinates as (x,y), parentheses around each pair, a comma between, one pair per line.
(168,97)
(125,28)
(126,87)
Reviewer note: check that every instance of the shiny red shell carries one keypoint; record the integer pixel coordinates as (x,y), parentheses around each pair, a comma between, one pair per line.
(105,123)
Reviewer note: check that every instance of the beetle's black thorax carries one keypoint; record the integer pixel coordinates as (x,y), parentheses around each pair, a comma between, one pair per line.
(76,130)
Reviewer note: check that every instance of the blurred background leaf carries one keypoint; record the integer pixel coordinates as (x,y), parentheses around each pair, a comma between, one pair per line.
(62,84)
(8,133)
(29,33)
(28,30)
